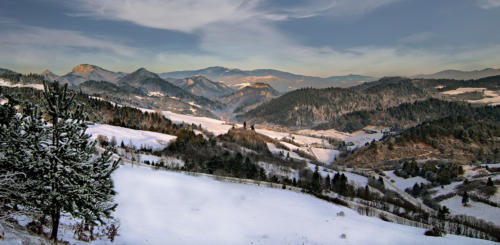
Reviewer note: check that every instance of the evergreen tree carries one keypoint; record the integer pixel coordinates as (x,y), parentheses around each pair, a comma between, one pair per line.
(70,177)
(381,180)
(490,182)
(13,154)
(316,181)
(465,199)
(328,182)
(443,212)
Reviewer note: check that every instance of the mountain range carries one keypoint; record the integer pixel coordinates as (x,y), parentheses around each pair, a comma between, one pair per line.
(85,72)
(461,75)
(281,81)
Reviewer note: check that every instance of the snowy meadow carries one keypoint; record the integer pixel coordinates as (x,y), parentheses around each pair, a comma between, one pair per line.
(162,207)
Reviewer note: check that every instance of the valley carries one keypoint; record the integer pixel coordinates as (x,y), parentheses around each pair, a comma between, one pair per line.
(333,150)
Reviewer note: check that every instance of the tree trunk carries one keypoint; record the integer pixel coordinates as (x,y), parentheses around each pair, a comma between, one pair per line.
(56,215)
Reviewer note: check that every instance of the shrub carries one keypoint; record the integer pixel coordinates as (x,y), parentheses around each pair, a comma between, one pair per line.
(434,232)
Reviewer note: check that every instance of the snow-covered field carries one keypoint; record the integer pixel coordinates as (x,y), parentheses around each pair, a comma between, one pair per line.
(475,209)
(357,139)
(159,207)
(325,155)
(463,90)
(215,126)
(18,85)
(402,183)
(137,138)
(301,139)
(330,133)
(360,137)
(491,97)
(275,150)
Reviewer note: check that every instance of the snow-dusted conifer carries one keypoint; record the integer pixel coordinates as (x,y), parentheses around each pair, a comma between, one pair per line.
(72,178)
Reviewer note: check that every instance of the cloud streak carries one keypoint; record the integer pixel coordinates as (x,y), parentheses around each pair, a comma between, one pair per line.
(36,48)
(234,33)
(489,4)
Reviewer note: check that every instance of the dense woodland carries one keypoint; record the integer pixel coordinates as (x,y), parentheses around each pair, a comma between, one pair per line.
(372,102)
(409,115)
(459,139)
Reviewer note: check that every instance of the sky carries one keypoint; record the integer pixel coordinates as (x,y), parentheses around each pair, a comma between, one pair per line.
(310,37)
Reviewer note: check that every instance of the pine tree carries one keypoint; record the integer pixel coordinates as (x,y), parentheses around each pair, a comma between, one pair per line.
(443,212)
(328,182)
(465,199)
(490,182)
(13,181)
(316,181)
(71,178)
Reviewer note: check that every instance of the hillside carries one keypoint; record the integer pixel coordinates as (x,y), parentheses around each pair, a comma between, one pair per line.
(306,107)
(408,115)
(153,85)
(282,81)
(202,86)
(250,139)
(187,209)
(6,71)
(249,97)
(456,139)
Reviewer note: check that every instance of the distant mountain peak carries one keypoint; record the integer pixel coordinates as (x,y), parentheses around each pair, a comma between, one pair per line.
(84,69)
(47,72)
(260,85)
(144,73)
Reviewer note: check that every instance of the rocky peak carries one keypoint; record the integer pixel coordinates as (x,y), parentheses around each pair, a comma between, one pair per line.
(83,69)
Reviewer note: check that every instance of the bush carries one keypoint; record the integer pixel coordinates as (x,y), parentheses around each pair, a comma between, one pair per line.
(434,232)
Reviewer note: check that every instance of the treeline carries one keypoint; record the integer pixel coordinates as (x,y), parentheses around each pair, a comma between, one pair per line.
(20,78)
(462,128)
(463,140)
(411,114)
(100,111)
(436,172)
(490,83)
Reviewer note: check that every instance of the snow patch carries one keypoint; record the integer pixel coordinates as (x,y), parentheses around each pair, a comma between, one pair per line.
(136,138)
(20,85)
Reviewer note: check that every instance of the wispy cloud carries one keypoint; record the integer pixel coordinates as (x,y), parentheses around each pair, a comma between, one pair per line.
(29,47)
(489,4)
(233,33)
(191,15)
(178,15)
(417,37)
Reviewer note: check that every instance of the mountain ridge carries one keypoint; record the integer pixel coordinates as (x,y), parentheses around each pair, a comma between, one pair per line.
(461,75)
(280,80)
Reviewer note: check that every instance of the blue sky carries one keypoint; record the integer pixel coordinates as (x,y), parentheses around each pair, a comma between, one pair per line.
(313,37)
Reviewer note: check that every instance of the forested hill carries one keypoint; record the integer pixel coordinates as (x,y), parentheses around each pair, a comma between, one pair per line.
(458,139)
(408,115)
(304,107)
(100,111)
(309,105)
(360,104)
